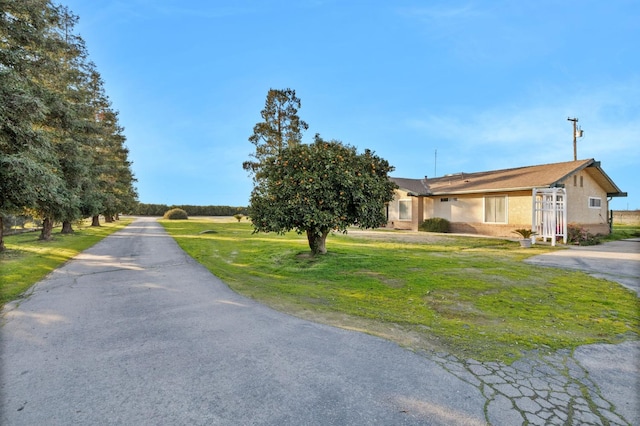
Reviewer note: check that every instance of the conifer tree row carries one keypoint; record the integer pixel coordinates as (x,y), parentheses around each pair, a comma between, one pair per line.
(62,151)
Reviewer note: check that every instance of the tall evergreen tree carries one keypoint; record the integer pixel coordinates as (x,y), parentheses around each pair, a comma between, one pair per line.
(62,153)
(71,136)
(112,180)
(62,85)
(28,162)
(280,129)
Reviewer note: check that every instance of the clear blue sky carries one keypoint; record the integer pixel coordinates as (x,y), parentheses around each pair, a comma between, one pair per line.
(488,84)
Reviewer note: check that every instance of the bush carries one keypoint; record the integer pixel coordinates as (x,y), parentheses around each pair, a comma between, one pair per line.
(577,235)
(435,224)
(176,214)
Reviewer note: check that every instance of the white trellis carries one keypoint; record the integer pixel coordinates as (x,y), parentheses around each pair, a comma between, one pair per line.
(549,214)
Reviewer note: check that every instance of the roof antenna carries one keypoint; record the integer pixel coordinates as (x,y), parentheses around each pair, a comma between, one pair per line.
(577,133)
(435,163)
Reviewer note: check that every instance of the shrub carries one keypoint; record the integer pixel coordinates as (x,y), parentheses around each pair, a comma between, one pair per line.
(176,214)
(435,224)
(577,235)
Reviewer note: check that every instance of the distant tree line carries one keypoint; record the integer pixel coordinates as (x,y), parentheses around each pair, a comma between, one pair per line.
(62,151)
(143,209)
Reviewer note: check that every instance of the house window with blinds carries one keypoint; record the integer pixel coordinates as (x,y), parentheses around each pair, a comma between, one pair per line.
(495,209)
(404,209)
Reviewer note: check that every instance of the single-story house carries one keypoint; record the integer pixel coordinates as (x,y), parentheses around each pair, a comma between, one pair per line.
(544,198)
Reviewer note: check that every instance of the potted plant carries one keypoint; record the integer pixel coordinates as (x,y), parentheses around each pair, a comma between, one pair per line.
(526,236)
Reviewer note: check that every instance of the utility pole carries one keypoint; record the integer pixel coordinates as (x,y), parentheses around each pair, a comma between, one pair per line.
(575,135)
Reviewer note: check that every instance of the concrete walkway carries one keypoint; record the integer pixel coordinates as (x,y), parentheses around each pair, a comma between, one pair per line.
(133,331)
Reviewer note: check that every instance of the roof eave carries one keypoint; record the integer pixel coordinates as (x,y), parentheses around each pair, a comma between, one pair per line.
(616,194)
(483,191)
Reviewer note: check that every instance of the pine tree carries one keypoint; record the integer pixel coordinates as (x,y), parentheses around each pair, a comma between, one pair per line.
(62,152)
(28,162)
(280,129)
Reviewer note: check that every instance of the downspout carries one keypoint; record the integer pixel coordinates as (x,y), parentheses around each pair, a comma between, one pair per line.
(610,219)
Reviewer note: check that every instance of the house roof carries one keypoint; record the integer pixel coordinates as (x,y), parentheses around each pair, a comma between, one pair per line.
(520,178)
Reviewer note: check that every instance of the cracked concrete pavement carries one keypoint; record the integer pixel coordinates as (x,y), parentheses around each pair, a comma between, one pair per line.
(133,331)
(560,388)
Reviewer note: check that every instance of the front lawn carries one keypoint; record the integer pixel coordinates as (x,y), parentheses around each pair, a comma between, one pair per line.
(470,296)
(27,260)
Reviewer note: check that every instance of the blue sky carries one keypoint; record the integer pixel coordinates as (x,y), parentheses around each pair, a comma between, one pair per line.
(488,84)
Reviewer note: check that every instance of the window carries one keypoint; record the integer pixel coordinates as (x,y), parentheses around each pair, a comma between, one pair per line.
(404,209)
(495,209)
(447,199)
(575,180)
(581,181)
(595,203)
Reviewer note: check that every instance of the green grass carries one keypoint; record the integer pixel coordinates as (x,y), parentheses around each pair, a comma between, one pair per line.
(621,232)
(470,296)
(27,260)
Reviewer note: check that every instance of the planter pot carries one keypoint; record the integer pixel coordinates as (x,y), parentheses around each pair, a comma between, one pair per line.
(525,243)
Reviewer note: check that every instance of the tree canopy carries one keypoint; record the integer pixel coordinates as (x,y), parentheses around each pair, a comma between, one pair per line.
(318,188)
(62,152)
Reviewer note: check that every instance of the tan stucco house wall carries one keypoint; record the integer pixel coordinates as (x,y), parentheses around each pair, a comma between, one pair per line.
(465,212)
(587,191)
(581,190)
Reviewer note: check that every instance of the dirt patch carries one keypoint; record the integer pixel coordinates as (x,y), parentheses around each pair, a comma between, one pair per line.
(389,282)
(416,338)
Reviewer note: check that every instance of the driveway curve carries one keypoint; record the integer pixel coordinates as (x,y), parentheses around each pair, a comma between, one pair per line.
(134,331)
(617,261)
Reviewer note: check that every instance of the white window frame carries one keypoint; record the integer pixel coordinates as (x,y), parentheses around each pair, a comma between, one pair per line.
(591,204)
(506,208)
(400,216)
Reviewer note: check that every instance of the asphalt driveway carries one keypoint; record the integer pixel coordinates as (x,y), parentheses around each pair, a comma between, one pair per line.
(133,331)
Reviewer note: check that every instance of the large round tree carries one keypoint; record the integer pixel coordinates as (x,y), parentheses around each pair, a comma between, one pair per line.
(319,188)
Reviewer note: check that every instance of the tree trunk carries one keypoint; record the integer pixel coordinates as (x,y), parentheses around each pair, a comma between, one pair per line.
(108,218)
(47,227)
(317,242)
(2,247)
(95,220)
(66,227)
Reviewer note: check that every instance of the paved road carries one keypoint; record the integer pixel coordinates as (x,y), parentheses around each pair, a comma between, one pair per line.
(133,331)
(617,261)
